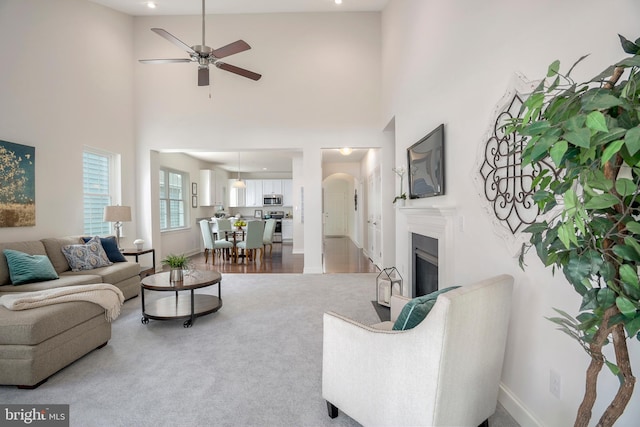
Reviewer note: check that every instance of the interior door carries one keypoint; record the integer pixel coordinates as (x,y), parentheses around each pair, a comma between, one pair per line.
(374,224)
(335,214)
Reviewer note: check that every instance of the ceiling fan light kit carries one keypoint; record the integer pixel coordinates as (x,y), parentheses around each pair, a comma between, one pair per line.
(204,56)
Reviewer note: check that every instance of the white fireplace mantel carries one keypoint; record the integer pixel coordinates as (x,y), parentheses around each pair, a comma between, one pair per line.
(438,223)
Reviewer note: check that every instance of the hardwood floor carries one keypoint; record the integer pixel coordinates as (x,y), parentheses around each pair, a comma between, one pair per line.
(340,256)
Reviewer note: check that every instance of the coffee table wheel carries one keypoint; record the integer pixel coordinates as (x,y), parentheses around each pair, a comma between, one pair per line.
(187,324)
(144,320)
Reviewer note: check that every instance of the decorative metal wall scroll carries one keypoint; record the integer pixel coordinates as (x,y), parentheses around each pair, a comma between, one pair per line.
(504,184)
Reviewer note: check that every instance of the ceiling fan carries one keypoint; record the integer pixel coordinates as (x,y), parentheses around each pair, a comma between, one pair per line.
(203,55)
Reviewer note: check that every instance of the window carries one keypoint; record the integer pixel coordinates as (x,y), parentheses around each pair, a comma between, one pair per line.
(100,175)
(173,206)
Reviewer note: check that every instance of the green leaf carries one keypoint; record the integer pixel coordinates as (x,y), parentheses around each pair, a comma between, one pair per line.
(597,180)
(611,150)
(634,61)
(633,326)
(576,63)
(602,201)
(537,228)
(626,252)
(606,298)
(613,368)
(628,46)
(557,151)
(579,138)
(596,121)
(535,128)
(626,307)
(629,275)
(633,227)
(625,187)
(599,99)
(632,140)
(565,233)
(553,68)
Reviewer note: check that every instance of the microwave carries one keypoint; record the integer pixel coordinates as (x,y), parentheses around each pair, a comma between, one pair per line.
(272,200)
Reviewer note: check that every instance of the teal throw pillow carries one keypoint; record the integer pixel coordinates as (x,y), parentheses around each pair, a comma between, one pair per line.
(25,268)
(86,257)
(417,309)
(110,246)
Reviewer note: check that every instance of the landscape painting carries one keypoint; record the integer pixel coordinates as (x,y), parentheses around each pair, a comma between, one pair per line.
(18,189)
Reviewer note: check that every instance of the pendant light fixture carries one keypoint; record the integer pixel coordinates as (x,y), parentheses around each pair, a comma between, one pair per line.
(239,183)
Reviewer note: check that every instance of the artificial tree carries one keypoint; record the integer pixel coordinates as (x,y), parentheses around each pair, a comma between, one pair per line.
(589,225)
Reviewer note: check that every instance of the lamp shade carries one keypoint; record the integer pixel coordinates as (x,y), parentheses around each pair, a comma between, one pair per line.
(117,213)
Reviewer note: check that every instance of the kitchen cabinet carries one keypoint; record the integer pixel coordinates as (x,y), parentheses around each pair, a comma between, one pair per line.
(213,188)
(272,186)
(236,195)
(287,192)
(287,229)
(253,193)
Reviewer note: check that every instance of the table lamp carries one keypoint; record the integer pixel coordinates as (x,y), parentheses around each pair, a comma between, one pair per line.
(117,214)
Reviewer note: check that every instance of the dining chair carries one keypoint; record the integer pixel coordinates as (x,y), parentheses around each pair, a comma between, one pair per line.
(210,244)
(224,226)
(253,240)
(267,237)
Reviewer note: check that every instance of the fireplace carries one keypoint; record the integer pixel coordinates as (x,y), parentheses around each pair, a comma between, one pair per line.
(424,265)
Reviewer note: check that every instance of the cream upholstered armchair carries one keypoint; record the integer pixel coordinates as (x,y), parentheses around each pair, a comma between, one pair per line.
(444,372)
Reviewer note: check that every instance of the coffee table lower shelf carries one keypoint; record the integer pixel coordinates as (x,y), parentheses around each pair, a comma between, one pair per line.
(179,307)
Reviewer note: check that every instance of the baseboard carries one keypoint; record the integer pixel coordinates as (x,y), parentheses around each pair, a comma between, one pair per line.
(516,408)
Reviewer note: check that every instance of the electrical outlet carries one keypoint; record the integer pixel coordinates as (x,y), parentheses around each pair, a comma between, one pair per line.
(555,383)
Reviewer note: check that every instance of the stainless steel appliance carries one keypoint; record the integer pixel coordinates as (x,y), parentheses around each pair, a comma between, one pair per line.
(272,200)
(277,234)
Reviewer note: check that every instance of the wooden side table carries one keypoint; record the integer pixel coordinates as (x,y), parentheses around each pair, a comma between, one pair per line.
(144,271)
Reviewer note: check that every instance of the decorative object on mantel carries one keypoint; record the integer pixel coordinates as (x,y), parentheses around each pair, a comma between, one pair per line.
(18,188)
(505,186)
(399,200)
(591,132)
(388,281)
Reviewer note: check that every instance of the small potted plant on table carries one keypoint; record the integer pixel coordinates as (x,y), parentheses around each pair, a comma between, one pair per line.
(177,263)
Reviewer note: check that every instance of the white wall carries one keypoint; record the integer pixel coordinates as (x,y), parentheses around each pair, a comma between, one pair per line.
(320,89)
(66,82)
(450,61)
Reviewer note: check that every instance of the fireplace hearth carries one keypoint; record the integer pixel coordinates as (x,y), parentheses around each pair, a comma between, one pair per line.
(424,265)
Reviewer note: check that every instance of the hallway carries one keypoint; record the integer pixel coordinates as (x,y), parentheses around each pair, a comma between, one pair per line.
(340,256)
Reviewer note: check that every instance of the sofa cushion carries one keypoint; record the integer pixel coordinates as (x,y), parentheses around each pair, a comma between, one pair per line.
(86,256)
(31,327)
(54,246)
(417,309)
(110,246)
(113,273)
(34,247)
(26,268)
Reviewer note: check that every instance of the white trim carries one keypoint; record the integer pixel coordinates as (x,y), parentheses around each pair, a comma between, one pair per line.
(435,222)
(516,408)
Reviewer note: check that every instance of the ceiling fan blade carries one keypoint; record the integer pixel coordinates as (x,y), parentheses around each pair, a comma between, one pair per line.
(173,39)
(239,71)
(203,76)
(163,61)
(231,49)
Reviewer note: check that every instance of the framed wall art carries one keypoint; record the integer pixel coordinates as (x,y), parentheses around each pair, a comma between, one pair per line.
(18,189)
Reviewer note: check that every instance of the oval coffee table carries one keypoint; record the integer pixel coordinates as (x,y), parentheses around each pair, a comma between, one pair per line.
(181,306)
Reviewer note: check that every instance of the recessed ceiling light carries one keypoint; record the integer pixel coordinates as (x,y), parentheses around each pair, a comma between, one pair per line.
(338,1)
(151,5)
(346,151)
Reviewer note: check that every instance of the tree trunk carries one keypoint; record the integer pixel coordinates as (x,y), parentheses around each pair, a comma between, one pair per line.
(597,361)
(628,381)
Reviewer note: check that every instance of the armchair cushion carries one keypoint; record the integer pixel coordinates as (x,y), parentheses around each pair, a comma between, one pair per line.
(417,309)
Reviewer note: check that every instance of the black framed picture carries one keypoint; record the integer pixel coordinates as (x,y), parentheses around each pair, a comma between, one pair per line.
(194,201)
(194,188)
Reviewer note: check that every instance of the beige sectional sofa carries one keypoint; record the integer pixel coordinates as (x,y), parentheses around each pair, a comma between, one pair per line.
(36,343)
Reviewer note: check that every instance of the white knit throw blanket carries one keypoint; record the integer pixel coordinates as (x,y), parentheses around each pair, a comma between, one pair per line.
(107,296)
